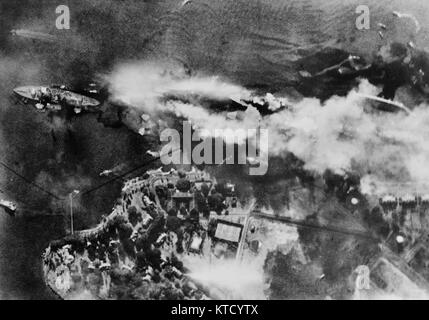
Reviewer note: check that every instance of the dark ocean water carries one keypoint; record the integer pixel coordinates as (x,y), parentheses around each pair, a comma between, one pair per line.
(260,42)
(252,42)
(73,162)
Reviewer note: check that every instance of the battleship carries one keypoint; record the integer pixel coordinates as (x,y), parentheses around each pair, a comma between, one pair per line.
(33,35)
(341,212)
(385,105)
(54,98)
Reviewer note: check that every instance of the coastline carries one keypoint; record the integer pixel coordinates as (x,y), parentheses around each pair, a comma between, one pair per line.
(59,277)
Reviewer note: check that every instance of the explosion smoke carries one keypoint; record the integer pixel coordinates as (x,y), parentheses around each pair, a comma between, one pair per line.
(339,134)
(143,85)
(229,279)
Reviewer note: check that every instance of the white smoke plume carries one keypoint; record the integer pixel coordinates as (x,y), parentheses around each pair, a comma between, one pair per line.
(339,134)
(246,278)
(204,119)
(143,85)
(343,136)
(229,279)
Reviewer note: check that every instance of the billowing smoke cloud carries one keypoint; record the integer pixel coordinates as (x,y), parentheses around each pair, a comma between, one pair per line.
(204,119)
(143,85)
(245,279)
(90,47)
(343,134)
(229,279)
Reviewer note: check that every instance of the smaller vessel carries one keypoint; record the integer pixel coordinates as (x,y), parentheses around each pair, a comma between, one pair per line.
(8,206)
